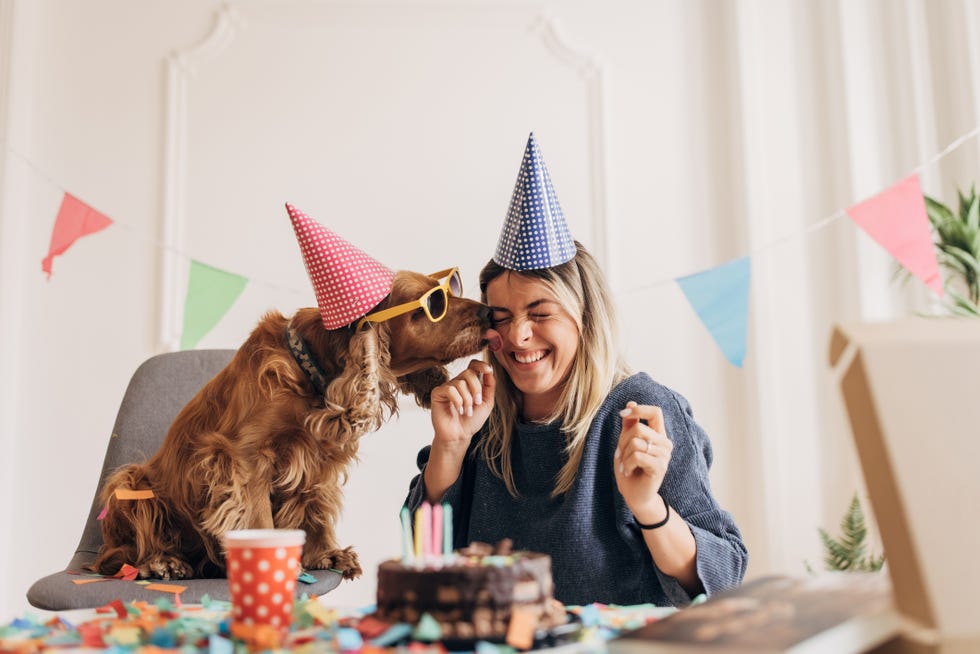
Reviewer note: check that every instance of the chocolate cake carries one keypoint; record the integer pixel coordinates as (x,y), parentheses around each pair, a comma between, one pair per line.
(472,593)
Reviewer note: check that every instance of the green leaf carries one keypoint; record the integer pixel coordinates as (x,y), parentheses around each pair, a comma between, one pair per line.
(965,201)
(973,215)
(937,211)
(971,266)
(950,262)
(962,306)
(848,551)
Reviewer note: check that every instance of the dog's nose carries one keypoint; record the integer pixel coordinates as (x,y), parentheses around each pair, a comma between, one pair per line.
(484,314)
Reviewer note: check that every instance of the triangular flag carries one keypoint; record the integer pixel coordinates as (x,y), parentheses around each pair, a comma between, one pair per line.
(896,218)
(75,219)
(720,297)
(210,293)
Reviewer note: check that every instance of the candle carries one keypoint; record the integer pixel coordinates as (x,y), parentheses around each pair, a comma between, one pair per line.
(447,529)
(426,520)
(406,534)
(418,535)
(435,547)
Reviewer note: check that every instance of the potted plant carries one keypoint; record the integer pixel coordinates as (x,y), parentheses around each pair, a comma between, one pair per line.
(957,241)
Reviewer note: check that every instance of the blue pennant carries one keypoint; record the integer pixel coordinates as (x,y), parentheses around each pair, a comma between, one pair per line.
(720,296)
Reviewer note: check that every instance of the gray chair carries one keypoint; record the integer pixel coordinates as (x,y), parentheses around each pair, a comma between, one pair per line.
(158,390)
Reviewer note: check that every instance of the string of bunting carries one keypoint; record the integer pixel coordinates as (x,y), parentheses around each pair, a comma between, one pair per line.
(895,218)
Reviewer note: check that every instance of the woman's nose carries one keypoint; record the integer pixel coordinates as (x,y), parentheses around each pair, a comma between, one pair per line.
(520,330)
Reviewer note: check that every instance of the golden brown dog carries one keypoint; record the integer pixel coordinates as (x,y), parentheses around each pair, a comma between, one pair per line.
(259,447)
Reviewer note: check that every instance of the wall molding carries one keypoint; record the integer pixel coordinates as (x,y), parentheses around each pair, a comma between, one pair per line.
(181,67)
(589,70)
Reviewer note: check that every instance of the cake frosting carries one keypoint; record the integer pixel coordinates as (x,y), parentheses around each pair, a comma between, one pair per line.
(472,593)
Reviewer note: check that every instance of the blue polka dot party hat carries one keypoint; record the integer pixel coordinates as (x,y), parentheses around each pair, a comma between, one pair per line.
(535,234)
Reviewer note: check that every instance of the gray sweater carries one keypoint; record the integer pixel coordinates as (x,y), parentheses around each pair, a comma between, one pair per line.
(598,553)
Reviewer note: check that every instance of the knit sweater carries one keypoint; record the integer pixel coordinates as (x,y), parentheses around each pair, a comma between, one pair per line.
(598,552)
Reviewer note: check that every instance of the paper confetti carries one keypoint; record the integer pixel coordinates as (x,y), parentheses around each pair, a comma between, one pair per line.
(166,588)
(129,494)
(520,631)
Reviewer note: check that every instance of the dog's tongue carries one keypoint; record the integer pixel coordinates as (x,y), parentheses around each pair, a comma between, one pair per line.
(493,339)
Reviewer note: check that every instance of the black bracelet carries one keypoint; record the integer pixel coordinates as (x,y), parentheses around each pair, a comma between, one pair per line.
(656,525)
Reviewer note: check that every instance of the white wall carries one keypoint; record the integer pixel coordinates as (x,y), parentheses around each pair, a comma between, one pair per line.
(678,134)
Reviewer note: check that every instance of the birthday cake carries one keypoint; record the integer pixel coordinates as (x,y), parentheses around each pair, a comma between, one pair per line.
(472,593)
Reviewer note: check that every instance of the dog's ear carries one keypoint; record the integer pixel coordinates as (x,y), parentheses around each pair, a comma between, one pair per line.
(421,383)
(363,394)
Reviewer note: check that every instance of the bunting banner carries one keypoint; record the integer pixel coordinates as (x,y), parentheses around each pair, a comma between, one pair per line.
(720,297)
(75,219)
(896,218)
(210,293)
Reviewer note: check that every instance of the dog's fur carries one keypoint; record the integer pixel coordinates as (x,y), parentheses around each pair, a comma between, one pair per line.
(257,448)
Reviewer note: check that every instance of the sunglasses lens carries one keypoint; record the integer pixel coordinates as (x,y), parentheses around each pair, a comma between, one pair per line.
(437,303)
(455,284)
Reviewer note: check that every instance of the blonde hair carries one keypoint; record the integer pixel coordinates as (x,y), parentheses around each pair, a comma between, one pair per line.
(580,287)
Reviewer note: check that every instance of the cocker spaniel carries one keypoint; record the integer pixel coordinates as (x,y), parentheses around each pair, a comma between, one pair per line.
(268,442)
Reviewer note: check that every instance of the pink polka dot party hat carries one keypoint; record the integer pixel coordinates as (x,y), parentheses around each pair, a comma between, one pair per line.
(348,282)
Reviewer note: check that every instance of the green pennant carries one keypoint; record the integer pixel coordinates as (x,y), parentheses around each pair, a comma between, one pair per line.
(210,293)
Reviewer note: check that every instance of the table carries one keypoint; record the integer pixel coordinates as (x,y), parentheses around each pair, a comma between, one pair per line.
(318,627)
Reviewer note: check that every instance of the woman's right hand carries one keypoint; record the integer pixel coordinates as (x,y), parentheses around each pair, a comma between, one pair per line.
(462,405)
(459,408)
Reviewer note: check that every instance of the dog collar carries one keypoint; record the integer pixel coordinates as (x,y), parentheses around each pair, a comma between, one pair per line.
(305,359)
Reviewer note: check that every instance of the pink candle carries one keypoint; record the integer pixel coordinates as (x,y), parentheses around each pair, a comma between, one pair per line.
(435,547)
(426,522)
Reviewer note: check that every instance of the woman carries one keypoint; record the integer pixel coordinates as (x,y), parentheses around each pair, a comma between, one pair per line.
(554,444)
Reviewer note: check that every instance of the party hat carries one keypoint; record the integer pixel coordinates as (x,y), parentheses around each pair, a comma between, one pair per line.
(535,234)
(348,282)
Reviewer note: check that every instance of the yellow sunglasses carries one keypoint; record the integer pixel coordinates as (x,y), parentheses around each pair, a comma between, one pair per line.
(435,302)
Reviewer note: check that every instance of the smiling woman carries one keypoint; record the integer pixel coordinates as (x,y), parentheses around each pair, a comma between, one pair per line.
(539,339)
(555,445)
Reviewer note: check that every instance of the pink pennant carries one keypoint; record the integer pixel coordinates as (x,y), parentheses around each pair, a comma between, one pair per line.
(896,218)
(75,219)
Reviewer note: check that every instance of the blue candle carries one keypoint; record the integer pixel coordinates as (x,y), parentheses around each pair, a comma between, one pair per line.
(406,534)
(447,529)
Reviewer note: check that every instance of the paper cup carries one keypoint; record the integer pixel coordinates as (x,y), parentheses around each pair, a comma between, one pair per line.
(262,568)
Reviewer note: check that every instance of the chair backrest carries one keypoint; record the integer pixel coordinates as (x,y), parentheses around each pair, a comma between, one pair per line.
(158,390)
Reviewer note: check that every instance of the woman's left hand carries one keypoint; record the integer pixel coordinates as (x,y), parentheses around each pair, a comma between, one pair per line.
(641,460)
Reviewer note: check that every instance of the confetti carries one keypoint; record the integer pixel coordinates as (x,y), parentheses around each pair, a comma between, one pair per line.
(141,627)
(129,494)
(166,588)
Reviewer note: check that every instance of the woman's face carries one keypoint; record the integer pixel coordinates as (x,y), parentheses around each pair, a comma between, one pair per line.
(539,340)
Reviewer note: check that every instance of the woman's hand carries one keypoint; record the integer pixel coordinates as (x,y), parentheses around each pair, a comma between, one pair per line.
(462,405)
(641,460)
(459,409)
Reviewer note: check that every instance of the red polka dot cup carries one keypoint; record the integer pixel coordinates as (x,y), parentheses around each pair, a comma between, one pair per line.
(262,568)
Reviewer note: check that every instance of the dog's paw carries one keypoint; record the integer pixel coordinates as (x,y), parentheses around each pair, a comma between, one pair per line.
(343,561)
(166,567)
